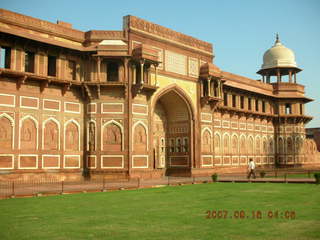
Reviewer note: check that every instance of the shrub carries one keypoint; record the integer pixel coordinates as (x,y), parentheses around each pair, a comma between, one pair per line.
(262,174)
(214,177)
(317,177)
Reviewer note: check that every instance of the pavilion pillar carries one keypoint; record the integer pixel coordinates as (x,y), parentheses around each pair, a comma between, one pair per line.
(98,68)
(141,71)
(134,74)
(201,89)
(209,86)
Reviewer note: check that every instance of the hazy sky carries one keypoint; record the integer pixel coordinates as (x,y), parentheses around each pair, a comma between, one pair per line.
(240,31)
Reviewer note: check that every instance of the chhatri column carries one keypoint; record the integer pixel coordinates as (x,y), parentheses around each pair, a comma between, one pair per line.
(278,76)
(290,76)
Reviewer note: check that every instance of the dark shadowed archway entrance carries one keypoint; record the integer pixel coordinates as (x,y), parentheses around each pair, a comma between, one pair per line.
(172,134)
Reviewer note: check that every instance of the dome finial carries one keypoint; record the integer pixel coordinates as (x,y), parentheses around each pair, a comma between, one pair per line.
(277,38)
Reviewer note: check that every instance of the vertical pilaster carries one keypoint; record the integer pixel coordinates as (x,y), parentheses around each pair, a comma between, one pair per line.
(201,89)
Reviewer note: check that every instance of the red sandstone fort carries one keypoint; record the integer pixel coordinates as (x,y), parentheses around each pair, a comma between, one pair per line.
(145,102)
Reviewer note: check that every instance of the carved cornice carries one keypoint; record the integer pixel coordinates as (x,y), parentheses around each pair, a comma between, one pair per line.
(99,35)
(163,33)
(40,25)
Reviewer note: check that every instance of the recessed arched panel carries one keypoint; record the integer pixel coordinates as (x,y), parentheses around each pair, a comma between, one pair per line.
(235,144)
(51,135)
(71,136)
(250,145)
(280,145)
(217,144)
(206,141)
(112,137)
(140,138)
(243,147)
(289,145)
(28,134)
(271,145)
(258,145)
(226,143)
(264,146)
(6,132)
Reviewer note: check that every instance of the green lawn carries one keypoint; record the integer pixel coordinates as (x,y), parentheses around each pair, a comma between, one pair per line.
(167,213)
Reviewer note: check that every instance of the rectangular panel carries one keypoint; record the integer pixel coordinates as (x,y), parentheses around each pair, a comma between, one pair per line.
(91,161)
(112,108)
(72,107)
(50,161)
(264,160)
(92,108)
(140,109)
(234,125)
(263,128)
(243,160)
(242,126)
(206,117)
(175,63)
(6,161)
(140,161)
(51,105)
(249,126)
(29,102)
(28,161)
(258,160)
(271,160)
(193,67)
(179,161)
(112,161)
(289,159)
(217,123)
(235,160)
(225,124)
(207,160)
(226,161)
(7,100)
(71,161)
(288,129)
(218,160)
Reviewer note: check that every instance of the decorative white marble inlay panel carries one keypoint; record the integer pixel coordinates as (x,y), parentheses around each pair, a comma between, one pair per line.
(193,67)
(175,63)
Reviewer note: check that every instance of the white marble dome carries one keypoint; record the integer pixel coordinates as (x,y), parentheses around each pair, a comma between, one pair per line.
(278,56)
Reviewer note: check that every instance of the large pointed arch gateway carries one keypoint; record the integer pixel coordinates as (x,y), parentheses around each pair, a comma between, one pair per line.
(173,131)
